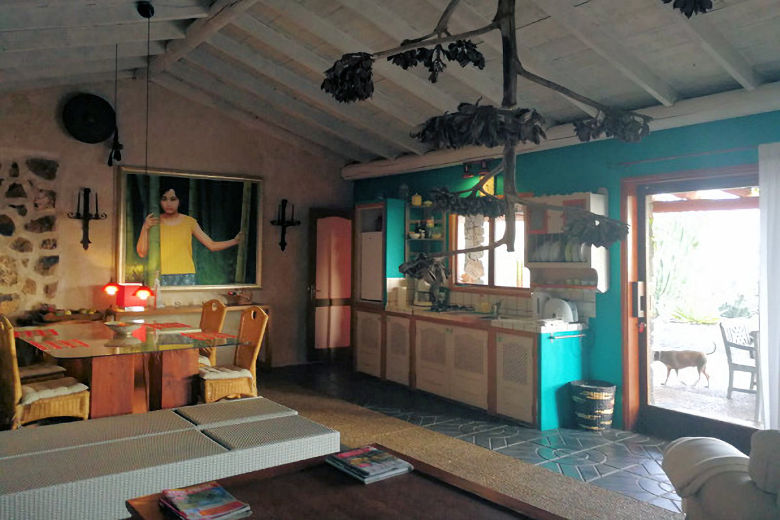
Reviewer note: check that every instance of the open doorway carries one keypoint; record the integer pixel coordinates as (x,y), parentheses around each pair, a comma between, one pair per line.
(702,278)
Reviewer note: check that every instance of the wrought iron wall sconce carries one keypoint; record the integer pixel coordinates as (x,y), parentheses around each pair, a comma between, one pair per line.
(282,221)
(83,213)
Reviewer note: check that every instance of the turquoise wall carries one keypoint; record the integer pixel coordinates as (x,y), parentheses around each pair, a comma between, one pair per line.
(588,167)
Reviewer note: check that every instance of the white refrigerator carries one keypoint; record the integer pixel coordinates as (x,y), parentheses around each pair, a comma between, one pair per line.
(371,276)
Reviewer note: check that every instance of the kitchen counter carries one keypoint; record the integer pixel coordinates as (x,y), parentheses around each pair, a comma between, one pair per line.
(520,323)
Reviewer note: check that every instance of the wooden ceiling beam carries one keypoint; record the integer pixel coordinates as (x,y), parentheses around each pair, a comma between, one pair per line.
(53,57)
(607,45)
(241,78)
(487,86)
(249,119)
(88,36)
(16,17)
(334,36)
(712,41)
(356,114)
(82,79)
(265,110)
(314,62)
(465,18)
(221,13)
(76,69)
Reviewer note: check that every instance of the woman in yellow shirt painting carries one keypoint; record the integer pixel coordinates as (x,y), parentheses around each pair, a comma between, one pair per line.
(176,231)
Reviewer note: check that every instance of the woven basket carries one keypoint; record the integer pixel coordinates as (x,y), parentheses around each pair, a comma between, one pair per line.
(594,403)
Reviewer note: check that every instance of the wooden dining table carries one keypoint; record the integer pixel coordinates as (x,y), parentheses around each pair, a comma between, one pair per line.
(155,367)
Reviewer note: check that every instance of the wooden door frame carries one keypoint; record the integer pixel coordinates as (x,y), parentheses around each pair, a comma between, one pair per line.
(313,354)
(634,382)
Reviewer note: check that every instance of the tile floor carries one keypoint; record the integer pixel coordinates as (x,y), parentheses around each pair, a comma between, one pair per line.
(621,461)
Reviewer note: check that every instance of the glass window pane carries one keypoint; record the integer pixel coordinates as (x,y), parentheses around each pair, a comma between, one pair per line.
(472,268)
(510,270)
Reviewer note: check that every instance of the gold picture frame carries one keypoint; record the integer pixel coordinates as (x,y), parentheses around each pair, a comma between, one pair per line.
(206,223)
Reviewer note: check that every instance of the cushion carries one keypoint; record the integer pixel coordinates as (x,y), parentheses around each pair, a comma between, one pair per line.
(52,388)
(204,361)
(764,465)
(224,372)
(40,370)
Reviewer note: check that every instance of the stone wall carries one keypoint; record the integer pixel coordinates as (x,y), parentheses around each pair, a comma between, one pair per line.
(29,240)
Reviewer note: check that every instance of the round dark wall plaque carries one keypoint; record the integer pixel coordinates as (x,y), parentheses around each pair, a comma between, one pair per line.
(89,118)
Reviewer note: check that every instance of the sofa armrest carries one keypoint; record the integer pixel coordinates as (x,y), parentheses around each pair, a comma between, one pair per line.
(731,496)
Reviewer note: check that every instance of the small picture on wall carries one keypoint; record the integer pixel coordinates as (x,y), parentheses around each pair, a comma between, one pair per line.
(189,229)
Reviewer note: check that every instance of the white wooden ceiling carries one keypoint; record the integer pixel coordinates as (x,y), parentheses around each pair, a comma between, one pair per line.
(264,59)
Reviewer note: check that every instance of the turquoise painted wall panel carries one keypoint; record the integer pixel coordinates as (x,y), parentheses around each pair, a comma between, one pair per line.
(588,167)
(560,361)
(394,246)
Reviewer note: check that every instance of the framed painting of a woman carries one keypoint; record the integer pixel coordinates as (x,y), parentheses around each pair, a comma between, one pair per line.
(188,229)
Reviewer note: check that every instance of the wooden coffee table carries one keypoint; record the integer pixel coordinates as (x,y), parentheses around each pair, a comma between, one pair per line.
(314,489)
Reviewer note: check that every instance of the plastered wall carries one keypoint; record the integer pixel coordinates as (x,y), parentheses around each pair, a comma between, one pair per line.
(183,136)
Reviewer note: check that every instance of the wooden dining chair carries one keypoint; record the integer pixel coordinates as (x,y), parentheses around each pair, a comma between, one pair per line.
(21,404)
(240,378)
(212,318)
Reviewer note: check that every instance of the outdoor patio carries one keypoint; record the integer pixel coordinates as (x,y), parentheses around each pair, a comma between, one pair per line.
(681,394)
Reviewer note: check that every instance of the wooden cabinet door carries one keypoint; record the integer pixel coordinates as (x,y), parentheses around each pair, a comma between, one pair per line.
(397,346)
(515,377)
(368,343)
(431,358)
(468,373)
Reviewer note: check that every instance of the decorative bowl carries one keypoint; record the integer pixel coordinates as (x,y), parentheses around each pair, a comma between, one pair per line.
(414,235)
(122,328)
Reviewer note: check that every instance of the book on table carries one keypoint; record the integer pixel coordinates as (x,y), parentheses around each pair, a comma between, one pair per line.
(208,501)
(369,464)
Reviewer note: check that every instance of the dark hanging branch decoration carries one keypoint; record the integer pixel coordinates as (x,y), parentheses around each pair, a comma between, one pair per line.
(691,7)
(462,51)
(426,268)
(350,78)
(626,126)
(481,126)
(444,199)
(591,229)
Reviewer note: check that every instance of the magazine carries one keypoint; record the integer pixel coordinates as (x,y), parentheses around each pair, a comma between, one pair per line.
(368,464)
(208,501)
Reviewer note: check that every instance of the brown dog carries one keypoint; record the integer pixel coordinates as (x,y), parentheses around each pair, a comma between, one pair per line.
(677,359)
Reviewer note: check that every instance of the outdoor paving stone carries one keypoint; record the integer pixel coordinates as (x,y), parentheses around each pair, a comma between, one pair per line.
(531,453)
(504,436)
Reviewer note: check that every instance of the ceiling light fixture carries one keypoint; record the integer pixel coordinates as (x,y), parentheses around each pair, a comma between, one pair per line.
(146,10)
(115,154)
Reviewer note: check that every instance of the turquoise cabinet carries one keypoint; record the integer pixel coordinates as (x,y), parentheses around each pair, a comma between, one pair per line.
(560,358)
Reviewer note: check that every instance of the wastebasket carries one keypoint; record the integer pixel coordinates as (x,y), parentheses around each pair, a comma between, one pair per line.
(594,403)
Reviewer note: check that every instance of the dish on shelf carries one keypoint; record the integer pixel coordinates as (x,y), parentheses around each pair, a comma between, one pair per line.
(428,203)
(414,235)
(554,252)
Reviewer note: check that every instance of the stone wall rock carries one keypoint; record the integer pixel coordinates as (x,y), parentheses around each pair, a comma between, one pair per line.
(43,168)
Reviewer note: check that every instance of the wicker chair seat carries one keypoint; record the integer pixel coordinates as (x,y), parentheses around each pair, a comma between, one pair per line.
(49,389)
(40,372)
(224,372)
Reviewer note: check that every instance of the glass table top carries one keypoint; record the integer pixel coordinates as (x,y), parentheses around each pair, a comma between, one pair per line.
(93,339)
